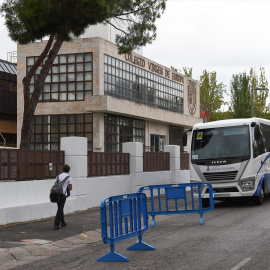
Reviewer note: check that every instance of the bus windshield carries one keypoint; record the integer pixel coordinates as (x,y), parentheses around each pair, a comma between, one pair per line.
(216,143)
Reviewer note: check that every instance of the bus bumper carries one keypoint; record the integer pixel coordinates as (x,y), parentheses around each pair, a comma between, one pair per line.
(227,192)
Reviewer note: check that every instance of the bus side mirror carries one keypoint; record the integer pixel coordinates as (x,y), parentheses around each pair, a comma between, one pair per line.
(184,137)
(257,132)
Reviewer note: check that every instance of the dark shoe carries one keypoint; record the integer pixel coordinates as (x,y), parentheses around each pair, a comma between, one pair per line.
(57,227)
(64,225)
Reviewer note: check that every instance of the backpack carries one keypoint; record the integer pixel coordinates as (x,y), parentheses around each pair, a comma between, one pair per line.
(57,190)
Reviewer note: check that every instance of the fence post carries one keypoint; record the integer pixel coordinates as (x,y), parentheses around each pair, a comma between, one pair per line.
(75,155)
(135,150)
(174,151)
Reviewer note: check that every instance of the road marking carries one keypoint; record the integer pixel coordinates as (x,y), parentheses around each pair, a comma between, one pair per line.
(242,263)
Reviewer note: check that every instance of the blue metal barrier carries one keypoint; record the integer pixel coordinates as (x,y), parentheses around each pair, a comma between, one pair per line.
(178,193)
(127,217)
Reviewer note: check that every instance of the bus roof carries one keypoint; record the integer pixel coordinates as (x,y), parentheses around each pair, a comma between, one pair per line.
(230,122)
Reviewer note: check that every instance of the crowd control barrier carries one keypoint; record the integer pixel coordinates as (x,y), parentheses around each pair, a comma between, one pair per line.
(123,217)
(162,195)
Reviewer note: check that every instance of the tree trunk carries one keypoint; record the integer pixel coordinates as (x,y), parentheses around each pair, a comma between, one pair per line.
(31,103)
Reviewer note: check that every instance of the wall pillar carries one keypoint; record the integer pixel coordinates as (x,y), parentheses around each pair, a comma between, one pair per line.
(174,151)
(75,155)
(135,149)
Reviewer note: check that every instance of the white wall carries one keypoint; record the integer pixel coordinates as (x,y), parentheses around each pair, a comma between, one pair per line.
(29,200)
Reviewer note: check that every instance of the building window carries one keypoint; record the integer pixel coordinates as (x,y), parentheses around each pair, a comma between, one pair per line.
(48,129)
(8,100)
(175,136)
(8,104)
(125,81)
(70,77)
(119,129)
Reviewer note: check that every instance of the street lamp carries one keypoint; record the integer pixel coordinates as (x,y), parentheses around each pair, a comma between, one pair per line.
(252,89)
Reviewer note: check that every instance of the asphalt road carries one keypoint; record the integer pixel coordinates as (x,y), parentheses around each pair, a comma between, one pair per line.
(235,235)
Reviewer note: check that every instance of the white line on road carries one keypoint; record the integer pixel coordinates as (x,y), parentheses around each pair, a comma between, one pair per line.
(242,263)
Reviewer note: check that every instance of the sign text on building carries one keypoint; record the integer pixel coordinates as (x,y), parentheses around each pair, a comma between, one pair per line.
(138,61)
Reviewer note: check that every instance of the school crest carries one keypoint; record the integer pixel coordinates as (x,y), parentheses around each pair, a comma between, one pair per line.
(192,97)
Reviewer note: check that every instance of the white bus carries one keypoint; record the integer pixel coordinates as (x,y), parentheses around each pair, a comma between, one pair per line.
(232,155)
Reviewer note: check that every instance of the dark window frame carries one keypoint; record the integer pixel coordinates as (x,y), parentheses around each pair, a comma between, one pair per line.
(119,129)
(175,136)
(121,81)
(57,89)
(48,129)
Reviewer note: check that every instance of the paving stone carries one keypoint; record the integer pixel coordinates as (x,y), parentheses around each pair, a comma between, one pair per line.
(15,254)
(37,241)
(52,247)
(37,250)
(5,257)
(76,240)
(67,244)
(19,253)
(14,264)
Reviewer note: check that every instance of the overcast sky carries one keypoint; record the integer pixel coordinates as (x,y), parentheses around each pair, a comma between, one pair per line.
(226,36)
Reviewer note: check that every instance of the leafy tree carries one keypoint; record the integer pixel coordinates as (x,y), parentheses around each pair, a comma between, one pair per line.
(240,96)
(219,115)
(174,69)
(29,20)
(186,71)
(259,96)
(211,92)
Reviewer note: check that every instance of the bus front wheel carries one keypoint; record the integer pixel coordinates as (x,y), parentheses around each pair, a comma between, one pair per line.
(258,200)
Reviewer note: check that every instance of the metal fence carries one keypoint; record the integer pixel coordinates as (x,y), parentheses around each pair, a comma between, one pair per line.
(18,164)
(156,161)
(184,161)
(105,164)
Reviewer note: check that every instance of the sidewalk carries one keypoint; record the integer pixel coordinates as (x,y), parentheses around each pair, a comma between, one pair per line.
(24,243)
(27,242)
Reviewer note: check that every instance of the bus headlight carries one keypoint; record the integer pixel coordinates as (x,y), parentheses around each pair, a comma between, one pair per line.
(247,184)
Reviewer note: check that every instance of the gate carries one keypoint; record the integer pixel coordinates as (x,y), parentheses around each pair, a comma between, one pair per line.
(173,199)
(123,217)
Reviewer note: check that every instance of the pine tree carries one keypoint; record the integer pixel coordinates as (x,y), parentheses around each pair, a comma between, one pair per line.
(30,20)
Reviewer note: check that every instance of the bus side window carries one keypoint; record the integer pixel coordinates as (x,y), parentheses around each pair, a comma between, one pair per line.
(265,133)
(258,146)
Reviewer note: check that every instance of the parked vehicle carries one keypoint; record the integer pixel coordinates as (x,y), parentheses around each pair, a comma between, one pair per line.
(232,155)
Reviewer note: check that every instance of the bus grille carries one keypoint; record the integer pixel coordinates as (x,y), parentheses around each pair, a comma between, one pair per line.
(220,176)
